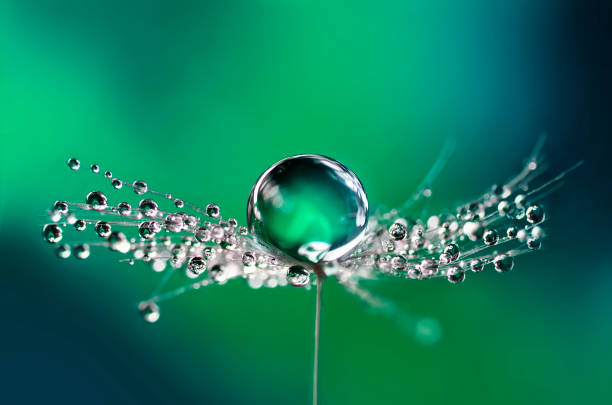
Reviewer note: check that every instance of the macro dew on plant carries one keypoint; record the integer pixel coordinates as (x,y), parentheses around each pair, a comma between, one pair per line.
(308,219)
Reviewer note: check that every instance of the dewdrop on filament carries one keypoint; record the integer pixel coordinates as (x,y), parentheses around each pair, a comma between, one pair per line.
(308,212)
(308,219)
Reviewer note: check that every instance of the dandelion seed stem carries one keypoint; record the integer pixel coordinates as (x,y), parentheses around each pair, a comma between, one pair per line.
(315,372)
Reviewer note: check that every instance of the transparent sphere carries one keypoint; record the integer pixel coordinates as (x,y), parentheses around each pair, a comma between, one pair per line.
(310,207)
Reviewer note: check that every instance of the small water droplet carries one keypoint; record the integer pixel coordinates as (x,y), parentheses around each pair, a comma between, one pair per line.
(208,252)
(174,223)
(71,218)
(144,230)
(298,276)
(117,183)
(52,233)
(74,164)
(124,208)
(248,259)
(212,210)
(429,267)
(54,215)
(490,237)
(148,207)
(217,232)
(473,230)
(535,214)
(178,203)
(452,250)
(476,265)
(397,231)
(97,200)
(61,207)
(203,235)
(103,229)
(503,263)
(140,187)
(414,273)
(81,251)
(537,232)
(445,258)
(118,241)
(155,226)
(398,263)
(503,208)
(216,273)
(519,200)
(149,311)
(454,275)
(388,245)
(94,168)
(80,225)
(534,243)
(63,251)
(196,265)
(189,220)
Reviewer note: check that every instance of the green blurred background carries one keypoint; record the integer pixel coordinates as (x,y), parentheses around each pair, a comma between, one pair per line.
(198,99)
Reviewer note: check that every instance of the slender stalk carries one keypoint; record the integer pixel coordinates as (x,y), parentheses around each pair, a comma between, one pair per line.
(315,373)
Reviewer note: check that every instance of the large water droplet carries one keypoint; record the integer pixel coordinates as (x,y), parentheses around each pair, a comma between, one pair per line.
(310,207)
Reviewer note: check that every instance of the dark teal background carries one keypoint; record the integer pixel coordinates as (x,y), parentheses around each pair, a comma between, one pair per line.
(200,98)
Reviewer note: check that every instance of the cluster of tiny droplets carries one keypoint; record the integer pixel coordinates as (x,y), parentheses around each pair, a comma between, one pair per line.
(503,223)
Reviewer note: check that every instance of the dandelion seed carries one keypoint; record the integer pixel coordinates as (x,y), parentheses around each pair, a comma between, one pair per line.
(308,220)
